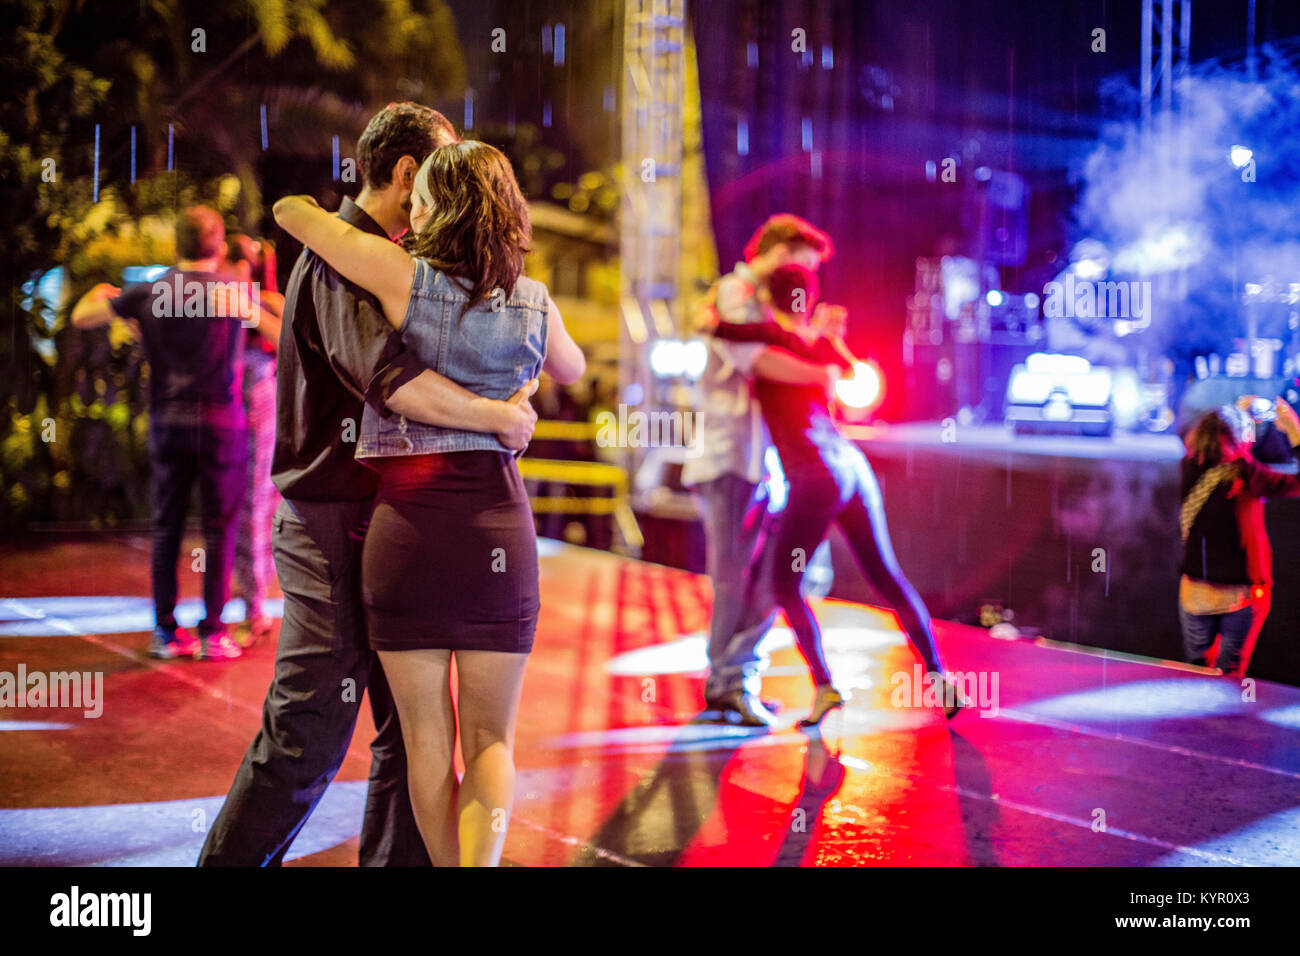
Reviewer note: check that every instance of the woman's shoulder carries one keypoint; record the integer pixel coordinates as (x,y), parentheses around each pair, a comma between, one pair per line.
(432,281)
(530,292)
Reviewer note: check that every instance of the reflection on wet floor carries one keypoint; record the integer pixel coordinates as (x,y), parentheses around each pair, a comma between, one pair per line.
(1079,760)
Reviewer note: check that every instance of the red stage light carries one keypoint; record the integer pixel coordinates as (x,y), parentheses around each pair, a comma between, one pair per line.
(863,391)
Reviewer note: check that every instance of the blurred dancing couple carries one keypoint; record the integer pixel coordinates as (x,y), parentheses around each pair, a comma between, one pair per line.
(775,355)
(404,540)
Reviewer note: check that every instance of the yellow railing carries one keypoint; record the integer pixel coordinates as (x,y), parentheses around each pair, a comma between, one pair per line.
(588,474)
(565,431)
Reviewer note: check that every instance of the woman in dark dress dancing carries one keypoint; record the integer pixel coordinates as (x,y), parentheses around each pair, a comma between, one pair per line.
(830,481)
(449,568)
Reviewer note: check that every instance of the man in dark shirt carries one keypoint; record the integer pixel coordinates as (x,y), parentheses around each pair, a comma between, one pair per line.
(336,353)
(193,339)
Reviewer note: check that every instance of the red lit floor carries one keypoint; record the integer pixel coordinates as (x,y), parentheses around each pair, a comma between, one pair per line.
(1074,759)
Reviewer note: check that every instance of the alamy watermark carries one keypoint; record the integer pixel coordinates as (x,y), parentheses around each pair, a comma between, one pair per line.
(1086,299)
(57,689)
(130,910)
(191,298)
(975,689)
(638,429)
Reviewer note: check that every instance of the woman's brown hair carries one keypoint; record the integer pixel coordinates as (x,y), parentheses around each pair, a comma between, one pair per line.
(1225,425)
(478,225)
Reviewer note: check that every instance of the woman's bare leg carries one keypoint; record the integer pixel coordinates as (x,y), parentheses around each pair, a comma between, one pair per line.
(488,686)
(867,533)
(421,685)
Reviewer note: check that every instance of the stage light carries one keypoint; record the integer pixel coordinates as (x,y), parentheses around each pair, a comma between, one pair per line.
(863,390)
(1165,249)
(1089,259)
(672,358)
(776,487)
(666,358)
(1057,392)
(1093,389)
(993,297)
(1283,716)
(695,356)
(49,289)
(1178,698)
(143,273)
(1053,363)
(1267,840)
(105,614)
(1031,301)
(158,833)
(1091,269)
(1240,156)
(854,631)
(1126,398)
(11,725)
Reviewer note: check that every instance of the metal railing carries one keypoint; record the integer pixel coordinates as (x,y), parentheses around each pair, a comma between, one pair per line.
(583,474)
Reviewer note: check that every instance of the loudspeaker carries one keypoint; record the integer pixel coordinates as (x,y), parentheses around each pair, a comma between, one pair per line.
(997,216)
(931,376)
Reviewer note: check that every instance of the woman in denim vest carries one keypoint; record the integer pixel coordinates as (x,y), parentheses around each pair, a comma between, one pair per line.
(450,559)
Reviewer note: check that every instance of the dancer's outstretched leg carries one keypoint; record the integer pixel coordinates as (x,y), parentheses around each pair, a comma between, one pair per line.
(864,526)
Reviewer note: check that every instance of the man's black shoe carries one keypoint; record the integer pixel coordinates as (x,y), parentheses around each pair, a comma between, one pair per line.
(743,709)
(770,704)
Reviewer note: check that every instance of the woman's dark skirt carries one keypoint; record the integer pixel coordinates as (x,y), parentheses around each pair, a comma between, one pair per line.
(450,560)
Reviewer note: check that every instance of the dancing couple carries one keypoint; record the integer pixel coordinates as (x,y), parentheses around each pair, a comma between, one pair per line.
(404,539)
(781,356)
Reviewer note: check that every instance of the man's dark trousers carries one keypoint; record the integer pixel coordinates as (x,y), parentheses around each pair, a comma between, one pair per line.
(323,663)
(216,459)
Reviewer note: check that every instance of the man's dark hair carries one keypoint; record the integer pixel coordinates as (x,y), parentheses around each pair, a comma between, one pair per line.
(200,234)
(792,231)
(400,129)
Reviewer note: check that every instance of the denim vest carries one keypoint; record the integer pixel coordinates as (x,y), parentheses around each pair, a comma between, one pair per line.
(491,352)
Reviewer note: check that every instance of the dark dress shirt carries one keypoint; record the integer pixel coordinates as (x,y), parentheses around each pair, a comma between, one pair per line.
(337,352)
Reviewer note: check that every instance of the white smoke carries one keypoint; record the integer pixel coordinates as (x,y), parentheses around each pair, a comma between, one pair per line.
(1169,201)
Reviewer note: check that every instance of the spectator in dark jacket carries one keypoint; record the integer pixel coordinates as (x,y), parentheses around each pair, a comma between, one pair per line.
(1227,569)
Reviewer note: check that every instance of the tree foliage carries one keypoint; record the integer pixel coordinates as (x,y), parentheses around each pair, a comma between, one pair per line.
(190,81)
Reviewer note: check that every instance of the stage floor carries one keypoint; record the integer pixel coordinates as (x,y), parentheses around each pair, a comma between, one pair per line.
(1075,759)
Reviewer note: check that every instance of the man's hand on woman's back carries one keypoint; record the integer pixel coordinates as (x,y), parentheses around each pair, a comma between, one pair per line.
(518,418)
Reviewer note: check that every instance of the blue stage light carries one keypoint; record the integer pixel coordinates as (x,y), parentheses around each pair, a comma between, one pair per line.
(1172,699)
